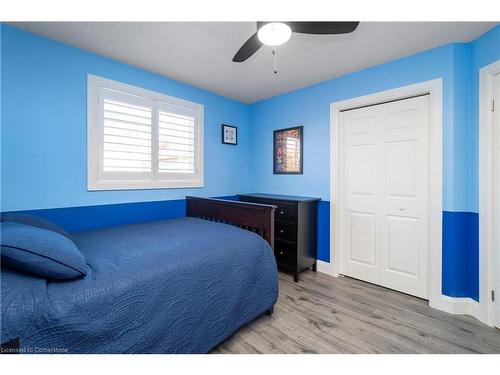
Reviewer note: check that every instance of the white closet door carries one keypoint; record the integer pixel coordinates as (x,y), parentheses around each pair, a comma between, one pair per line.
(384,197)
(404,207)
(359,204)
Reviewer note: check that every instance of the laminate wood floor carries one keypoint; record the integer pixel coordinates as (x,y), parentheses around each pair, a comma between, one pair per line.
(324,314)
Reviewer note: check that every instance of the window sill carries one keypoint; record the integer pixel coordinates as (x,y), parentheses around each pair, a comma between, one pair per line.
(143,185)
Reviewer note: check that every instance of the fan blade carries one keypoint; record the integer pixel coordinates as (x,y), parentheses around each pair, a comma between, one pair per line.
(251,46)
(323,27)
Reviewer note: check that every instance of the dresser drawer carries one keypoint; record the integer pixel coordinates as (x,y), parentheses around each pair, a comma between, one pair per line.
(295,243)
(285,231)
(286,211)
(285,252)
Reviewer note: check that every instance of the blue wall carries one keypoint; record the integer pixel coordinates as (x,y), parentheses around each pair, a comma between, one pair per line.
(310,107)
(44,140)
(458,64)
(460,254)
(44,127)
(76,219)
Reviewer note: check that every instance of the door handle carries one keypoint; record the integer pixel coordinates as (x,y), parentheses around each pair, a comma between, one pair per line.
(402,208)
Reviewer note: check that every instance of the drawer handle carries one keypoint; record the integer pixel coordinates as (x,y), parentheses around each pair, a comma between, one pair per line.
(281,212)
(281,231)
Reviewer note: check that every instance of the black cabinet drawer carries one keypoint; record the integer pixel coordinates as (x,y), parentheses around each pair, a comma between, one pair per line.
(285,231)
(286,211)
(285,252)
(295,243)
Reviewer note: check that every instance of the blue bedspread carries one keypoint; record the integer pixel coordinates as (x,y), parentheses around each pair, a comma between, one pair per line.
(172,286)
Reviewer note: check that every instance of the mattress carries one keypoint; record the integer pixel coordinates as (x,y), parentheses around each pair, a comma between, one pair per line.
(172,286)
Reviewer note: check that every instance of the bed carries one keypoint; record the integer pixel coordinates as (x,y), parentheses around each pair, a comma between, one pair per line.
(171,286)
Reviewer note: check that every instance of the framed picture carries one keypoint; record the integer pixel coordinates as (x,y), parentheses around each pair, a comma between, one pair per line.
(229,134)
(288,151)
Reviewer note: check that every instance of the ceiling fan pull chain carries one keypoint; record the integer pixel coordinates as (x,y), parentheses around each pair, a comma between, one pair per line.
(275,68)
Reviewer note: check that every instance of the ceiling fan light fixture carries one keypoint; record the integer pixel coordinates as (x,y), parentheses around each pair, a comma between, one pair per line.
(274,33)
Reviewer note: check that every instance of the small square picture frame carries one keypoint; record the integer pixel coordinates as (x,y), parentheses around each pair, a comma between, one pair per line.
(229,134)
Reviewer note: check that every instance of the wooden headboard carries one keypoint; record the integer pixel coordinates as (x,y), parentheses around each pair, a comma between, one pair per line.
(257,218)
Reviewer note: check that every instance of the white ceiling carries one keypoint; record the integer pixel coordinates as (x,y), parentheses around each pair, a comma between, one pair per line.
(200,53)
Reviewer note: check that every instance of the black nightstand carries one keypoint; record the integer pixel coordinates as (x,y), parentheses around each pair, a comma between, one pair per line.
(295,245)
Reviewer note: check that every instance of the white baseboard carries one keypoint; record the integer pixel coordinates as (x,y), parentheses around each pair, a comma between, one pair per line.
(451,305)
(324,267)
(458,305)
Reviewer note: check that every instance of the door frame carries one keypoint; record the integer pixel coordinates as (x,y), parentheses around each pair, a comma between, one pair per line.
(435,89)
(488,211)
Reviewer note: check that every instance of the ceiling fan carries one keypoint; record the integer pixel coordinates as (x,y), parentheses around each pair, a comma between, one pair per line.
(277,33)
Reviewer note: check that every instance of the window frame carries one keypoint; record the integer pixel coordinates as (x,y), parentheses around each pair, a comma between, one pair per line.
(97,179)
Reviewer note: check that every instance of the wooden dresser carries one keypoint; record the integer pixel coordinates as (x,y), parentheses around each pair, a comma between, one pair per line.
(295,236)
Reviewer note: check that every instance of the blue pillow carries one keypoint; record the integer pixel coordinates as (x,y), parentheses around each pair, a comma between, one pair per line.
(35,221)
(40,252)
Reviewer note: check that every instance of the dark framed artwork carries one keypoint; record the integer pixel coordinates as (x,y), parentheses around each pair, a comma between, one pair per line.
(229,134)
(288,151)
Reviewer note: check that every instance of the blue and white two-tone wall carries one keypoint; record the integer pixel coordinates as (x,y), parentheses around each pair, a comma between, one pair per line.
(43,139)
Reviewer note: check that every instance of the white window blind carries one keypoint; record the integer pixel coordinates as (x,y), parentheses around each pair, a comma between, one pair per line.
(127,137)
(175,143)
(139,139)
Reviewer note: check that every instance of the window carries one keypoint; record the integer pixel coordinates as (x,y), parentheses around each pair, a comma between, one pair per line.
(140,139)
(292,160)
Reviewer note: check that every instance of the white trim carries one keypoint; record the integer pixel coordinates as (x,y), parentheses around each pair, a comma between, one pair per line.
(453,305)
(435,89)
(323,267)
(486,189)
(96,180)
